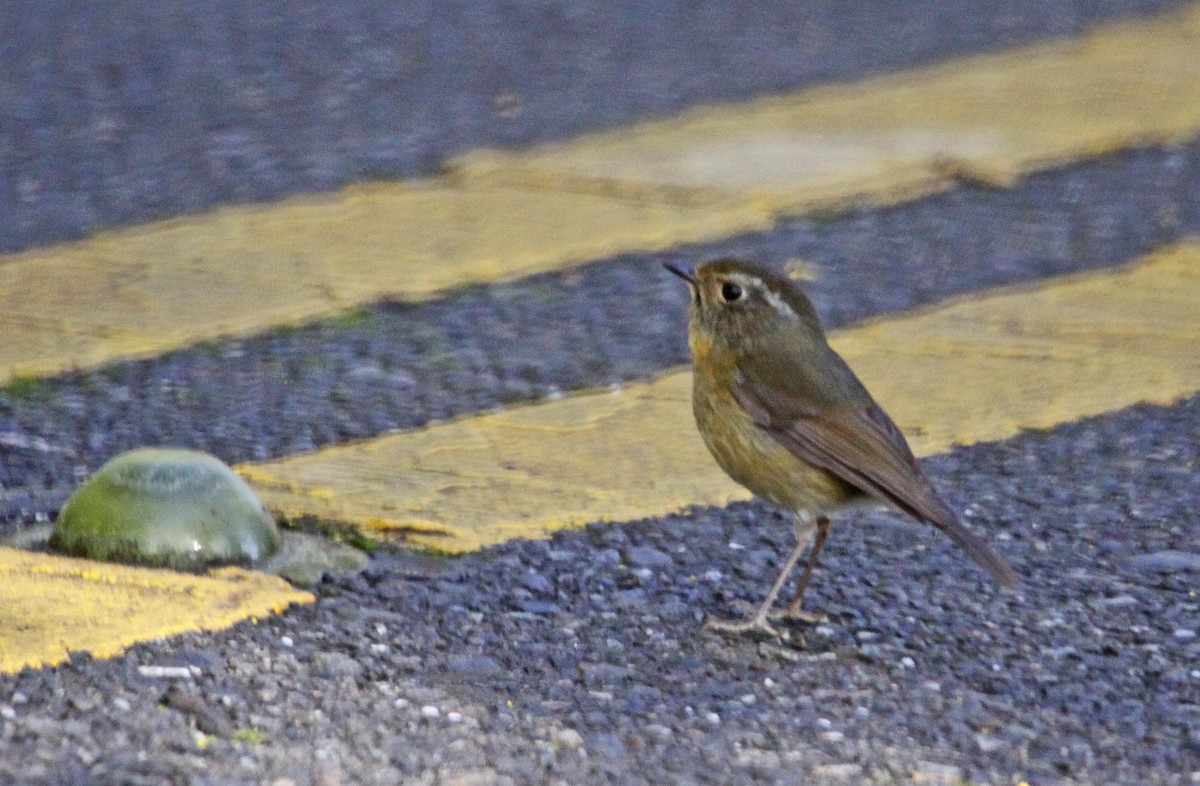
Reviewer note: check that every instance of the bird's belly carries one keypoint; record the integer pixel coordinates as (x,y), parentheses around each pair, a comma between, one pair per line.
(755,459)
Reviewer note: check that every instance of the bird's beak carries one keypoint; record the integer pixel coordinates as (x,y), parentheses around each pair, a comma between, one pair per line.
(683,272)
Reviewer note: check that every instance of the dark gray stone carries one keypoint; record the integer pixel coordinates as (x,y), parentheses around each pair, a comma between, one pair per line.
(647,557)
(1168,561)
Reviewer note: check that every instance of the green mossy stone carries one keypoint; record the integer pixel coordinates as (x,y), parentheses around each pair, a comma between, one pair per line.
(176,508)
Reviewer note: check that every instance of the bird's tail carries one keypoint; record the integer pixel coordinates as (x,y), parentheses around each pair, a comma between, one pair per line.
(977,548)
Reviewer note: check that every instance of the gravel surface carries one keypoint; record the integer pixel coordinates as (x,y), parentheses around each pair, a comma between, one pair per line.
(583,659)
(400,366)
(121,112)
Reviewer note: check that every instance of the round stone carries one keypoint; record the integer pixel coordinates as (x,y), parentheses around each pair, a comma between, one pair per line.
(157,506)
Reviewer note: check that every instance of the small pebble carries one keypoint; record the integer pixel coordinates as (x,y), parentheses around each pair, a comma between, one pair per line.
(987,743)
(713,718)
(1169,561)
(537,583)
(870,651)
(1183,634)
(838,771)
(937,774)
(286,641)
(568,738)
(454,717)
(832,736)
(166,672)
(908,662)
(538,607)
(647,557)
(122,704)
(748,698)
(430,711)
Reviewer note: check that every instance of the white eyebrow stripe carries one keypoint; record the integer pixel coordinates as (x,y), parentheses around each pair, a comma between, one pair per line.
(779,304)
(755,284)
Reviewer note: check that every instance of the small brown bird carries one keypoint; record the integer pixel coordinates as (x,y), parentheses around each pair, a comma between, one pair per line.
(784,416)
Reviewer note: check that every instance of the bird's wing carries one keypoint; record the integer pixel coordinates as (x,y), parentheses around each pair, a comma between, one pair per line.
(856,441)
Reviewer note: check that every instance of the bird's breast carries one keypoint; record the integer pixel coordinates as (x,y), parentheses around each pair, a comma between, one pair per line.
(754,458)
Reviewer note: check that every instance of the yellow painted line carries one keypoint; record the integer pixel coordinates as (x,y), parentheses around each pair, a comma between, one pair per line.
(991,118)
(708,174)
(51,606)
(241,270)
(976,369)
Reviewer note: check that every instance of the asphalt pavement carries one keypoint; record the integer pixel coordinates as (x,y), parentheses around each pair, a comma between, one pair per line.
(583,659)
(400,366)
(139,110)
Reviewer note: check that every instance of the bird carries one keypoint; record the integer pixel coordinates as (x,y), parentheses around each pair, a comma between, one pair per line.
(785,416)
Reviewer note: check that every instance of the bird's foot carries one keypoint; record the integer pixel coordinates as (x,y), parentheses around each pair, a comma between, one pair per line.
(755,623)
(758,627)
(799,615)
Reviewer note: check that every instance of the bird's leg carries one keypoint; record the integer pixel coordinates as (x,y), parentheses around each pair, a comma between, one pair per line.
(758,620)
(793,608)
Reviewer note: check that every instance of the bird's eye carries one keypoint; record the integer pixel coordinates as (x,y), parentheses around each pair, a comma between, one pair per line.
(730,291)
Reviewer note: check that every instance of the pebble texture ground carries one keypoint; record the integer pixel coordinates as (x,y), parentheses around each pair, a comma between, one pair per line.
(584,660)
(401,366)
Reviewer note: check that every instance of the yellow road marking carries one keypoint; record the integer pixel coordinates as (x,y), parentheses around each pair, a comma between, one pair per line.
(979,368)
(49,605)
(991,118)
(706,175)
(241,270)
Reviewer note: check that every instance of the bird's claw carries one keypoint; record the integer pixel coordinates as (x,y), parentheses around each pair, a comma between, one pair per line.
(755,625)
(758,626)
(758,622)
(799,615)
